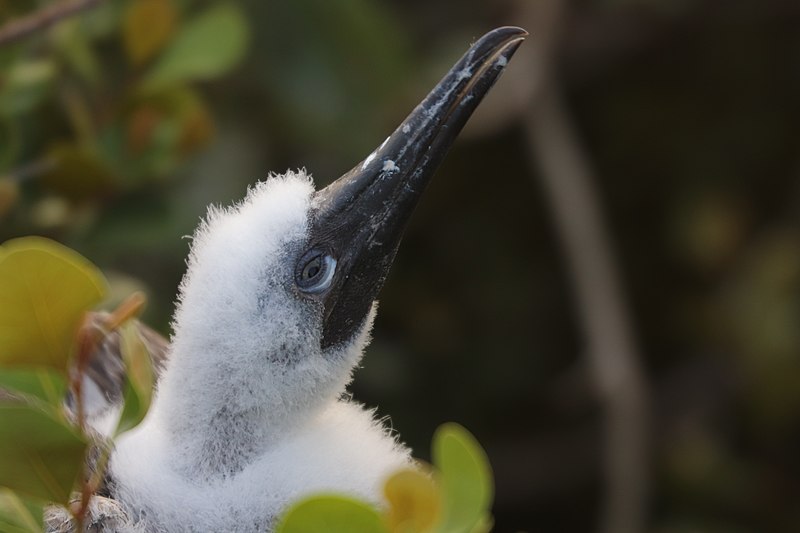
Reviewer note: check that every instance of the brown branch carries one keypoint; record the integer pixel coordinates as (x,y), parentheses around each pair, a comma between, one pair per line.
(612,353)
(611,350)
(20,28)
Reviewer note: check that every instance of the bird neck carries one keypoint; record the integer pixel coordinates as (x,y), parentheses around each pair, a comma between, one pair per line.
(220,413)
(211,422)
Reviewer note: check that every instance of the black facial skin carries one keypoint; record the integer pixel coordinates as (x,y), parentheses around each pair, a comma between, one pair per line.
(360,218)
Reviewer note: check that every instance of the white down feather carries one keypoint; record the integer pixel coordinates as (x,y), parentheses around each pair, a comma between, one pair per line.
(249,413)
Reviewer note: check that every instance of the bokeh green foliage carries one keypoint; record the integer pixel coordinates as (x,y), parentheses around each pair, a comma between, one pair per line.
(46,291)
(688,113)
(117,84)
(454,496)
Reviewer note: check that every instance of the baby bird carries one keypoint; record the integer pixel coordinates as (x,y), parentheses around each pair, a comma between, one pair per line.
(273,315)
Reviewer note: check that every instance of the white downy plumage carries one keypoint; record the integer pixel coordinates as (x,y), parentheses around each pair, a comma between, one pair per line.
(248,414)
(274,313)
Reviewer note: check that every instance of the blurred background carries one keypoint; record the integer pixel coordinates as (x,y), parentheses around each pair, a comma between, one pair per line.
(602,283)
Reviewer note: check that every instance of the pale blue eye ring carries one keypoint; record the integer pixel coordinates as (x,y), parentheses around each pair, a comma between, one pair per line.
(315,272)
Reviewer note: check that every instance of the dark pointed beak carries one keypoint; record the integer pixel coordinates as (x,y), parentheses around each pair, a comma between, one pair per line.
(360,218)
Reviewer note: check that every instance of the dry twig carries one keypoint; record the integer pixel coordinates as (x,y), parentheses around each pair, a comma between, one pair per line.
(20,28)
(611,349)
(612,354)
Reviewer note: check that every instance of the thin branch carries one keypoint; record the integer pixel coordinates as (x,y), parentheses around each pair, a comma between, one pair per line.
(612,353)
(20,28)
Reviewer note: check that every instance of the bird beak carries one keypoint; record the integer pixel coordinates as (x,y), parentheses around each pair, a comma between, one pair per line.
(361,216)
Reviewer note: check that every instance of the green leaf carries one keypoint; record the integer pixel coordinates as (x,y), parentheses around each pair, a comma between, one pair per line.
(139,372)
(148,26)
(25,85)
(40,457)
(331,514)
(415,502)
(42,383)
(18,515)
(467,487)
(102,20)
(206,47)
(73,44)
(44,290)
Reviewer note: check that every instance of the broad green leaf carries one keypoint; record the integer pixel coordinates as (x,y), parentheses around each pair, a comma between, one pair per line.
(40,457)
(207,46)
(25,85)
(485,525)
(18,515)
(41,382)
(331,514)
(73,44)
(139,372)
(147,27)
(45,288)
(415,502)
(466,480)
(103,19)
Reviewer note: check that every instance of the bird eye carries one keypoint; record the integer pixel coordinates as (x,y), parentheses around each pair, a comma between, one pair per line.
(315,271)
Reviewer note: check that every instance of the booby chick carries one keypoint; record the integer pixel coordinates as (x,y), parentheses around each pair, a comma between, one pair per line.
(274,313)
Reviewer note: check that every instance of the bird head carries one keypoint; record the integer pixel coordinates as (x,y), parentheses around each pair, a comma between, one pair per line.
(281,287)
